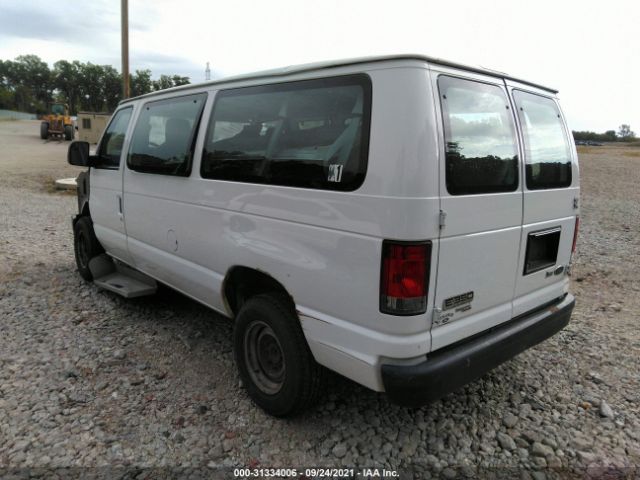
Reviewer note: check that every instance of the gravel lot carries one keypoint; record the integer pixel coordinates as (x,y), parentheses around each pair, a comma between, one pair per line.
(88,379)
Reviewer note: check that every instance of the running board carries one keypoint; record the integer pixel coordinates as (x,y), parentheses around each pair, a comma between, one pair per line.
(118,278)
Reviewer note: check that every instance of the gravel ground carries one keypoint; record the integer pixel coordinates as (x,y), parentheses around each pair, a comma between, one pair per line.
(88,379)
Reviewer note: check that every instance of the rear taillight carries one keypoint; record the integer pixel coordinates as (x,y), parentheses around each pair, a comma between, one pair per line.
(404,282)
(575,235)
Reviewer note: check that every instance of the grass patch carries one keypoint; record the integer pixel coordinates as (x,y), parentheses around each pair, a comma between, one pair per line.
(631,154)
(49,186)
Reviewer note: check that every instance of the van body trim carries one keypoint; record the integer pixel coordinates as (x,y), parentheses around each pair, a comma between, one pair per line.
(449,369)
(318,66)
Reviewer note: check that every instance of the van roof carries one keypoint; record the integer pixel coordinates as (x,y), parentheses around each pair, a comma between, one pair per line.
(307,67)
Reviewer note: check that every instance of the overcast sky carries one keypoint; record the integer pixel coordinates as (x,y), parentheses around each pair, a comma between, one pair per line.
(589,50)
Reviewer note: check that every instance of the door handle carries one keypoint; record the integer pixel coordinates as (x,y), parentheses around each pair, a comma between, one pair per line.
(119,197)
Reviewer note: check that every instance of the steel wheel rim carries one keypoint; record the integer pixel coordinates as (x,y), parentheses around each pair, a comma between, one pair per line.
(264,357)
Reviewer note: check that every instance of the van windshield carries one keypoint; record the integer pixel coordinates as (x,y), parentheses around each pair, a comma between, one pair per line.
(547,150)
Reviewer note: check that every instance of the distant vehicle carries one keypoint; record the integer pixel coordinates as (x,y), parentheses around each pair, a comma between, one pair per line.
(591,143)
(58,123)
(581,142)
(405,221)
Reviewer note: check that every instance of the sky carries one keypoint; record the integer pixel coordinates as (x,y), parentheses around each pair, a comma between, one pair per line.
(589,50)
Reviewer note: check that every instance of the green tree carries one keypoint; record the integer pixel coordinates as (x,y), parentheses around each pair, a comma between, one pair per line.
(141,83)
(33,74)
(6,95)
(67,81)
(178,80)
(91,91)
(28,84)
(610,135)
(112,85)
(625,132)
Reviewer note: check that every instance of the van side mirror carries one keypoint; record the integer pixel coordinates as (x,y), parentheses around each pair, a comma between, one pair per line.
(78,154)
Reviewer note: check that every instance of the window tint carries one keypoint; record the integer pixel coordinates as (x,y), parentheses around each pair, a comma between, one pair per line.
(113,139)
(311,134)
(164,135)
(547,150)
(481,150)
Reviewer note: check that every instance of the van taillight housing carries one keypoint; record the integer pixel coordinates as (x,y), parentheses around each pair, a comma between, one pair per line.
(404,280)
(575,235)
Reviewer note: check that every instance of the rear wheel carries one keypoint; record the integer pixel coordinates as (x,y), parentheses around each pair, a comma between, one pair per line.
(273,357)
(85,245)
(44,130)
(68,132)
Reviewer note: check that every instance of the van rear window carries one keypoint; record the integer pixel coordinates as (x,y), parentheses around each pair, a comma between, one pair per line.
(547,150)
(481,150)
(312,134)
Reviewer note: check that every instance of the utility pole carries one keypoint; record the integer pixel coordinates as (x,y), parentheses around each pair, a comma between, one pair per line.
(124,10)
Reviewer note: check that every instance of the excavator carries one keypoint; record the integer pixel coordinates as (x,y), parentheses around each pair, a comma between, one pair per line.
(58,123)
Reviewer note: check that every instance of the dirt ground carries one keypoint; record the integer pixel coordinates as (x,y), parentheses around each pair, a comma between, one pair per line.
(91,380)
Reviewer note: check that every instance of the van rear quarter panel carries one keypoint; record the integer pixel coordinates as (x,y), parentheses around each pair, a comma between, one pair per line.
(324,246)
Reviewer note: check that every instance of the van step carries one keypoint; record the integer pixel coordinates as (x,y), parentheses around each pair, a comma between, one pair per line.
(119,278)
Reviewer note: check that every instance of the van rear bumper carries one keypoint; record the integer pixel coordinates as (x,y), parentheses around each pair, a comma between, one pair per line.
(452,367)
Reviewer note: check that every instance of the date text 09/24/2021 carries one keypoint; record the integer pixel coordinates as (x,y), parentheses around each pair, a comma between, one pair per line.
(315,473)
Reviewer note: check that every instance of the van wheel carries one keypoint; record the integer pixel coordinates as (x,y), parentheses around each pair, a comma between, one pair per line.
(44,130)
(85,245)
(273,357)
(68,132)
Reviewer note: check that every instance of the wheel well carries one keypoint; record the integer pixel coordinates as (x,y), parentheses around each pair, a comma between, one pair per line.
(242,283)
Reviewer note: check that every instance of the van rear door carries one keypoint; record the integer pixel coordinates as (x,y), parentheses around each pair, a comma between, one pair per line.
(481,205)
(551,195)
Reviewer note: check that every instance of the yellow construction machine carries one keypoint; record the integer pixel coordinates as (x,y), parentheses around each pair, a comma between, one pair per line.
(58,123)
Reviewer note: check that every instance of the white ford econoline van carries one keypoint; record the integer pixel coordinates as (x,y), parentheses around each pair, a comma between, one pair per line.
(404,221)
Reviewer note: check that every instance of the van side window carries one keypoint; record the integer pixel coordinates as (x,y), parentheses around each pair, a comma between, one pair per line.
(481,149)
(111,144)
(164,137)
(312,134)
(547,150)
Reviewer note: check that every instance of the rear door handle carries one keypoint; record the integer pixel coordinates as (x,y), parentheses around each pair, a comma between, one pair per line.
(119,197)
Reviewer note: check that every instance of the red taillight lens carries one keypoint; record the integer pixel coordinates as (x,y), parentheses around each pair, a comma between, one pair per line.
(575,235)
(404,281)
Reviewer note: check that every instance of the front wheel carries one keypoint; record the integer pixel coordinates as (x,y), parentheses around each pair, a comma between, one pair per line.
(44,130)
(68,132)
(85,246)
(273,357)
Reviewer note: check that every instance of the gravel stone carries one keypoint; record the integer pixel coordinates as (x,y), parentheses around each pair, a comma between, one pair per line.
(606,410)
(69,353)
(119,354)
(540,450)
(509,420)
(505,441)
(340,450)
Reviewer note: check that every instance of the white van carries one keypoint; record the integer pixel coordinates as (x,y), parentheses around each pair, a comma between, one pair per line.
(405,221)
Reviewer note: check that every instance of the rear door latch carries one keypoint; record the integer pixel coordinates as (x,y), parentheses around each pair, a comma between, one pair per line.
(442,218)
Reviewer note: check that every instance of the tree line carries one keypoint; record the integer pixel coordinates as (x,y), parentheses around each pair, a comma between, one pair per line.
(624,134)
(27,84)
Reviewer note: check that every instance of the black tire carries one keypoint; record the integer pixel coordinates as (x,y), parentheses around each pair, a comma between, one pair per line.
(85,246)
(266,328)
(44,130)
(68,132)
